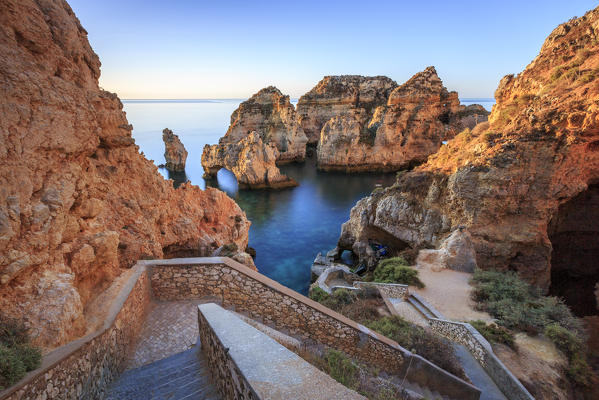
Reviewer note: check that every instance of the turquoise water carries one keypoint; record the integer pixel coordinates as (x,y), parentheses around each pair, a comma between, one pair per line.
(289,227)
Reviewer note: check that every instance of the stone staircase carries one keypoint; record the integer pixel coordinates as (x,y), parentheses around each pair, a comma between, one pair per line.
(181,376)
(425,392)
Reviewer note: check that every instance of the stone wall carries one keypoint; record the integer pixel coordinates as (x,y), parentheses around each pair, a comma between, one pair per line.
(231,382)
(480,349)
(83,368)
(235,286)
(390,290)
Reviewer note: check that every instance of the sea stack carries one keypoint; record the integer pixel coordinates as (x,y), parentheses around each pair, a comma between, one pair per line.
(340,96)
(264,132)
(252,161)
(271,115)
(174,151)
(416,118)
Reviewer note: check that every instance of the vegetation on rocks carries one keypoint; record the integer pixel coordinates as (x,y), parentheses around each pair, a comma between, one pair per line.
(494,333)
(420,341)
(521,306)
(17,355)
(397,270)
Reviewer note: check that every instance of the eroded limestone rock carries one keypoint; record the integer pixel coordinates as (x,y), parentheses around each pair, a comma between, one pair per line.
(412,124)
(506,179)
(252,161)
(77,200)
(174,151)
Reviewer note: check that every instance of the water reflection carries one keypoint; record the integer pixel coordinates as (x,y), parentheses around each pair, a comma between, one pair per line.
(178,177)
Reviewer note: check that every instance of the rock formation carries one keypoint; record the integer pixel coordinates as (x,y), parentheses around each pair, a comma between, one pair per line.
(270,114)
(418,116)
(339,96)
(174,151)
(252,161)
(77,200)
(512,181)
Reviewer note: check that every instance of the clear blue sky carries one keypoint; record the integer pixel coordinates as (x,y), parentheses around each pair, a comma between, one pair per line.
(231,49)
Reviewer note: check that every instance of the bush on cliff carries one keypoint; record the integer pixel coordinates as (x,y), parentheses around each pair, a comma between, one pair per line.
(421,341)
(396,270)
(17,356)
(494,333)
(518,305)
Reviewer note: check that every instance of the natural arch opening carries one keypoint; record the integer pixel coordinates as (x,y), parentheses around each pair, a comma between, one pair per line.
(574,235)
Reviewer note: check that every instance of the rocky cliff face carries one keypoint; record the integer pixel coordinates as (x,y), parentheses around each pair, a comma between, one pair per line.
(252,161)
(270,114)
(340,96)
(417,117)
(77,200)
(512,181)
(174,151)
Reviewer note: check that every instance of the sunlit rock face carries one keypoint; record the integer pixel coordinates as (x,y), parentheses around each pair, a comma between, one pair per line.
(174,151)
(506,179)
(417,117)
(252,161)
(341,96)
(77,200)
(270,114)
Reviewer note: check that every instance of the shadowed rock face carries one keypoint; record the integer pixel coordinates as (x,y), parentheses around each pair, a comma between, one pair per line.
(270,114)
(77,200)
(506,179)
(339,96)
(174,151)
(417,117)
(252,161)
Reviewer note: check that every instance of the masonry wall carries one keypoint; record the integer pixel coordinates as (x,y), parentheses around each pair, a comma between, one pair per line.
(231,382)
(480,349)
(83,368)
(235,286)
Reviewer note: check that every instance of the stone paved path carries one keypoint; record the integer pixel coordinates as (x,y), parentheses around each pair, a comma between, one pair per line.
(170,328)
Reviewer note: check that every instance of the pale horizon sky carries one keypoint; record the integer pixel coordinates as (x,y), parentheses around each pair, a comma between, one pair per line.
(186,49)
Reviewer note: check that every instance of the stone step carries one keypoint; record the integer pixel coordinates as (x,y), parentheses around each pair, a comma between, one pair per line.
(422,308)
(181,376)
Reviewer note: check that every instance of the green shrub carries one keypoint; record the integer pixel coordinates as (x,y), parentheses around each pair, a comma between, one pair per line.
(30,356)
(422,341)
(341,368)
(396,270)
(11,367)
(317,294)
(518,305)
(334,301)
(494,333)
(17,356)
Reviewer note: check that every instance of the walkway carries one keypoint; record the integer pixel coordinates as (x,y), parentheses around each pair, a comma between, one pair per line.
(170,328)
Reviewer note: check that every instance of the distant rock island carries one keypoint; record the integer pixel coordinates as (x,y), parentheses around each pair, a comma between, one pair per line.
(174,151)
(357,123)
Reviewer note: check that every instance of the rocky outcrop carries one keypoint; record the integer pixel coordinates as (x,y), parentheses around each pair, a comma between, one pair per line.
(252,161)
(174,151)
(506,179)
(341,96)
(417,117)
(270,114)
(77,200)
(455,252)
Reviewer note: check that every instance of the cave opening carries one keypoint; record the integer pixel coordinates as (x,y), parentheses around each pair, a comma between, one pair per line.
(574,235)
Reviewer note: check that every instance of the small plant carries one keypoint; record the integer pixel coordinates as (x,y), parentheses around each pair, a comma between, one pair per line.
(341,368)
(422,341)
(396,270)
(494,333)
(17,356)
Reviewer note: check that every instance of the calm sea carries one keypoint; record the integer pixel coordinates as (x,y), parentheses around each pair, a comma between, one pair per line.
(289,227)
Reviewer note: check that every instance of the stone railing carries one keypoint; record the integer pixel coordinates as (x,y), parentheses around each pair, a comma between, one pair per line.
(235,286)
(83,368)
(231,382)
(390,290)
(482,351)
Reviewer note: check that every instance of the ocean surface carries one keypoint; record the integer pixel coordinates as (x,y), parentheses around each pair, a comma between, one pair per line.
(289,227)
